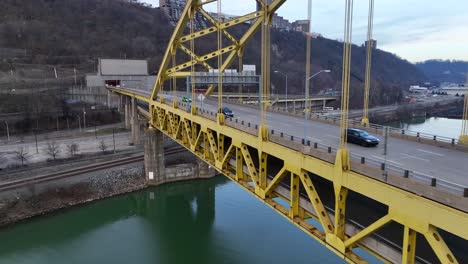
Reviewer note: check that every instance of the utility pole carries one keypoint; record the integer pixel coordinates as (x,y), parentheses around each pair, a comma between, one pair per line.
(113,137)
(79,121)
(385,151)
(35,137)
(84,119)
(8,131)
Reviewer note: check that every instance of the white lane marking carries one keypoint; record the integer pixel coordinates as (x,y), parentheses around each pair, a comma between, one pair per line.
(409,156)
(391,161)
(311,138)
(430,152)
(299,122)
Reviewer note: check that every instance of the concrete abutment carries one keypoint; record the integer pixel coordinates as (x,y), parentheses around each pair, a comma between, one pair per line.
(157,173)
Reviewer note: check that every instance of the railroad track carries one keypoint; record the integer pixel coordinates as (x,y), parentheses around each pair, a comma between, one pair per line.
(10,185)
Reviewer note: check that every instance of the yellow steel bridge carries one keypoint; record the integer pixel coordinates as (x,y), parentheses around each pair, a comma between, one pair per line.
(246,154)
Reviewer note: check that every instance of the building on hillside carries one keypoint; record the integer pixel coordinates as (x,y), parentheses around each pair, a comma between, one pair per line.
(173,10)
(301,26)
(117,73)
(372,42)
(418,89)
(280,22)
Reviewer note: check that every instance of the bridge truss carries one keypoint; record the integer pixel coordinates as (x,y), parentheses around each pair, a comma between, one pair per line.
(245,156)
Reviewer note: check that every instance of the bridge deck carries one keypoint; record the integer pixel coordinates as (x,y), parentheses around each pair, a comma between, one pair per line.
(423,160)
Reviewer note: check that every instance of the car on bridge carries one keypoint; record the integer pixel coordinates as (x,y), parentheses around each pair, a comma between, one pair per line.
(361,137)
(228,112)
(186,99)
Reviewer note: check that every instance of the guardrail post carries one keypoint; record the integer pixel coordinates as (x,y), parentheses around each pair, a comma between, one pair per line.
(248,124)
(272,132)
(453,141)
(292,138)
(406,174)
(363,160)
(242,122)
(315,145)
(433,182)
(308,143)
(402,131)
(237,120)
(435,137)
(281,135)
(329,150)
(256,126)
(303,141)
(465,192)
(382,166)
(417,134)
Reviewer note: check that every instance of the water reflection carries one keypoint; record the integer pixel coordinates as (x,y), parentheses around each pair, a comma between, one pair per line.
(440,126)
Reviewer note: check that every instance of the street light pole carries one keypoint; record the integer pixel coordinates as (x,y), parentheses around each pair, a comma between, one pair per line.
(8,131)
(79,122)
(84,119)
(306,111)
(286,76)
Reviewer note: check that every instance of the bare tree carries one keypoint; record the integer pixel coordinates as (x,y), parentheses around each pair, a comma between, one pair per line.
(103,146)
(53,149)
(22,155)
(73,148)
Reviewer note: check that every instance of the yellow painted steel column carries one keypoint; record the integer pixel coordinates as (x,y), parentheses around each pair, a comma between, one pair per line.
(464,133)
(294,199)
(239,165)
(409,246)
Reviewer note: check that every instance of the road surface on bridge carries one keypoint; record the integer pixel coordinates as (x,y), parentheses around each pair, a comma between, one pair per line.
(440,163)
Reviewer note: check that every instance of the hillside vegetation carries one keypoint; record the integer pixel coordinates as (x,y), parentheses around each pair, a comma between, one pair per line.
(440,71)
(74,33)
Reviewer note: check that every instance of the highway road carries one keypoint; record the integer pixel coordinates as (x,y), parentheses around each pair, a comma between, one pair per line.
(440,163)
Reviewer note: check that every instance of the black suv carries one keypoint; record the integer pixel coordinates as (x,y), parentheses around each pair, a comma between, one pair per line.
(361,137)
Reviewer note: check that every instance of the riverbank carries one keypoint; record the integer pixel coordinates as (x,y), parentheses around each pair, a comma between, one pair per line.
(33,200)
(38,198)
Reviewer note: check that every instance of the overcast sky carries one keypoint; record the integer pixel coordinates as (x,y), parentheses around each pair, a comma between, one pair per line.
(416,30)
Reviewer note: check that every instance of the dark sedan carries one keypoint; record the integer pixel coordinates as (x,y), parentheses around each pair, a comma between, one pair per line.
(228,112)
(361,137)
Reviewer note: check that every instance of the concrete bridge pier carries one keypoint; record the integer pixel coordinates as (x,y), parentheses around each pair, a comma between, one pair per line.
(135,123)
(154,157)
(127,111)
(156,171)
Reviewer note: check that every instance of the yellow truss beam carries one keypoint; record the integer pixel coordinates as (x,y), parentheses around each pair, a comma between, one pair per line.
(316,202)
(437,243)
(222,26)
(191,54)
(233,55)
(202,58)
